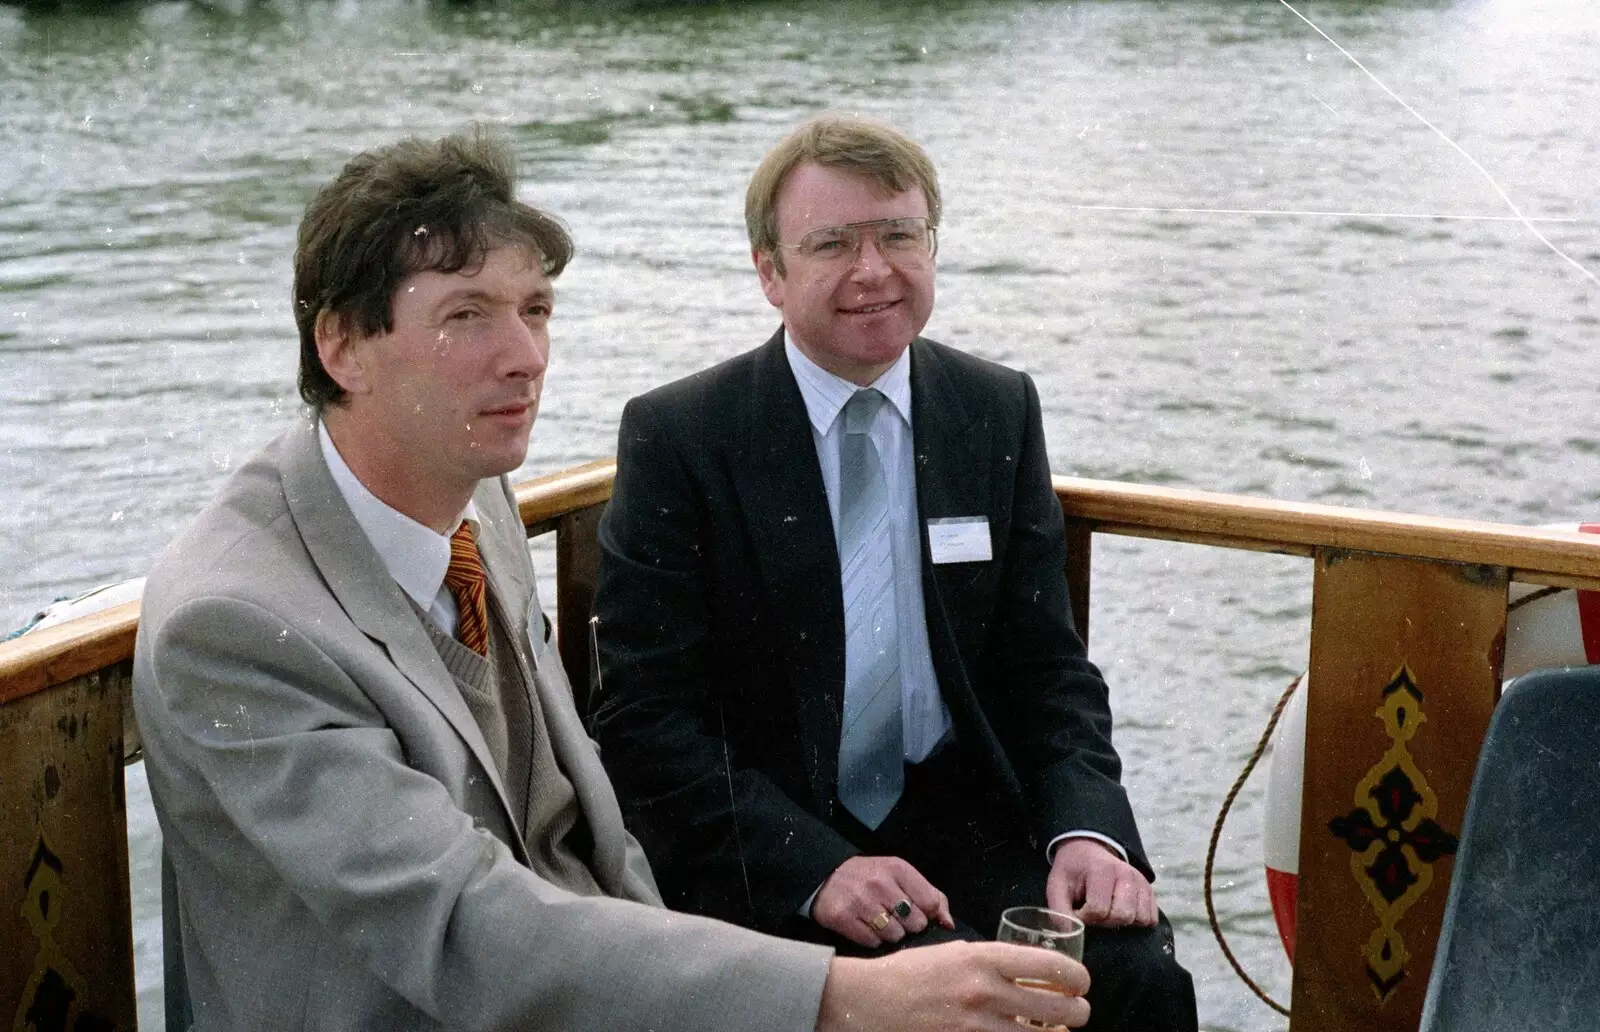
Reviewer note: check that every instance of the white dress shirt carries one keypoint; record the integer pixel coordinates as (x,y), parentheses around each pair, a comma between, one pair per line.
(415,556)
(924,717)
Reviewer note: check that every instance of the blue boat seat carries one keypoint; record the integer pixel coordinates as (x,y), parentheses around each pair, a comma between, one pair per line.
(1520,946)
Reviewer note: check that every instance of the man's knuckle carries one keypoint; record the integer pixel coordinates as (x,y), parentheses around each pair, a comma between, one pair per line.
(972,992)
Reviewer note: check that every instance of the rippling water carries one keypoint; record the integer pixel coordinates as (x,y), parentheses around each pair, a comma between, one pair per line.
(157,156)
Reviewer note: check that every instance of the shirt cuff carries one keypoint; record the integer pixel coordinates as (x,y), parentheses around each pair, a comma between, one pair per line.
(1050,850)
(805,908)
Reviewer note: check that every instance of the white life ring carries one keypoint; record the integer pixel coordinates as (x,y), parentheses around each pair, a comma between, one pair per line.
(1559,629)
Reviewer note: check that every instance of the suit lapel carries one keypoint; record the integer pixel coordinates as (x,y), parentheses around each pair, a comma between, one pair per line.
(950,443)
(374,602)
(779,484)
(503,542)
(575,754)
(951,446)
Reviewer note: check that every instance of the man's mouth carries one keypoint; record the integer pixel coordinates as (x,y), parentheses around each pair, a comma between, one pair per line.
(870,309)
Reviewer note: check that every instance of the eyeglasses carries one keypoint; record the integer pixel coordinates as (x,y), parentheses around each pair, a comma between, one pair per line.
(899,240)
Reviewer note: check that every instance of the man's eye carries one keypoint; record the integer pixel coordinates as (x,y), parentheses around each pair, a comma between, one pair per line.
(463,314)
(543,308)
(828,244)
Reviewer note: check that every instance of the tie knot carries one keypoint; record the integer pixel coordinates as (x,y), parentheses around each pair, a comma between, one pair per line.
(861,409)
(466,565)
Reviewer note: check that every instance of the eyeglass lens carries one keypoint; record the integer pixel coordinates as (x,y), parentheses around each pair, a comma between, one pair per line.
(908,236)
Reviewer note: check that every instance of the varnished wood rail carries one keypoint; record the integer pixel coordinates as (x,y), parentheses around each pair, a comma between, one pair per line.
(1561,558)
(1408,625)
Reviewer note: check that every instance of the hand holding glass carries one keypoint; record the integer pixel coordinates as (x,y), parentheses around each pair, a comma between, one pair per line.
(1048,929)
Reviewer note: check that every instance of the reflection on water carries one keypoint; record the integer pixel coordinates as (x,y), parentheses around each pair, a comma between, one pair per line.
(158,156)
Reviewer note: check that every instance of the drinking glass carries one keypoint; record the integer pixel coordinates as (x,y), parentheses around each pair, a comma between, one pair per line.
(1036,926)
(1048,929)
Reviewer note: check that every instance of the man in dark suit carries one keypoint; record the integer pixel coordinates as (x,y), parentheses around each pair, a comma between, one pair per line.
(841,695)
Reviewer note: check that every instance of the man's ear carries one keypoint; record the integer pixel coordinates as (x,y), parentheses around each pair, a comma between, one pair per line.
(772,280)
(337,347)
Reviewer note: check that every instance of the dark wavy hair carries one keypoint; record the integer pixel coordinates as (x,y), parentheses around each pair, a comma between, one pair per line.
(414,206)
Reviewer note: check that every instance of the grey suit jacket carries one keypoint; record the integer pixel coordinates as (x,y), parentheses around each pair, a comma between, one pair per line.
(343,849)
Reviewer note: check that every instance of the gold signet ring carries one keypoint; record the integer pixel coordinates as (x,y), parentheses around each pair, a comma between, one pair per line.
(880,922)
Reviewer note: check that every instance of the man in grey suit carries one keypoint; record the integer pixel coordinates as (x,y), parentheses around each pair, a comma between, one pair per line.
(378,802)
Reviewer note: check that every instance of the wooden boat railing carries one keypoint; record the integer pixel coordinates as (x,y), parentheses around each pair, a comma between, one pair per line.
(1407,635)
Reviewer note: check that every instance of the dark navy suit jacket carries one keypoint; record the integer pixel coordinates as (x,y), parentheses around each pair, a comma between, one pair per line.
(722,643)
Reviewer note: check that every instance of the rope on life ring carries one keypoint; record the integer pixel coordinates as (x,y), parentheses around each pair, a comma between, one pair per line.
(1216,836)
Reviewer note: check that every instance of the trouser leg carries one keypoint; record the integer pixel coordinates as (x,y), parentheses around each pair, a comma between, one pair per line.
(1136,982)
(949,833)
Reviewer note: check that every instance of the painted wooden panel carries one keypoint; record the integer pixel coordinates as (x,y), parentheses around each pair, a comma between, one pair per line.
(66,936)
(1405,668)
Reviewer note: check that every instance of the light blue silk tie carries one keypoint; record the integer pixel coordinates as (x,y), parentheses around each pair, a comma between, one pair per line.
(871,743)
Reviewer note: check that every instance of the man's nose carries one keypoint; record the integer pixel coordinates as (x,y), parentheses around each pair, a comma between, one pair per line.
(870,262)
(527,349)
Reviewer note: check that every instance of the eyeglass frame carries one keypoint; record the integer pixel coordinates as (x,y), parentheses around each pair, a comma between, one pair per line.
(857,227)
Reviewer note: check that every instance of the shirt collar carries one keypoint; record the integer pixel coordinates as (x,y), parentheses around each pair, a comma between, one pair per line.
(415,556)
(826,394)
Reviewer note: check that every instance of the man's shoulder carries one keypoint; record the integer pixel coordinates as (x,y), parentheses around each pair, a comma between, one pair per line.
(964,369)
(242,539)
(716,407)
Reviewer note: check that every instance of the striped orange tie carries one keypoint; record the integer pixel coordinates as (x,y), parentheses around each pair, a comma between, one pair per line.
(466,580)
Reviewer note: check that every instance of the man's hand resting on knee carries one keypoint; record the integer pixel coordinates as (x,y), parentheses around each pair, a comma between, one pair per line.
(1089,880)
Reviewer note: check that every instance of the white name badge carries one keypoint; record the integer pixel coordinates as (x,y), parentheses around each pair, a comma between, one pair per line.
(960,539)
